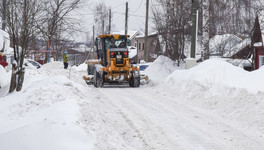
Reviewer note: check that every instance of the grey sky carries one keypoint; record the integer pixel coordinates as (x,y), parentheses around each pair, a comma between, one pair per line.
(136,20)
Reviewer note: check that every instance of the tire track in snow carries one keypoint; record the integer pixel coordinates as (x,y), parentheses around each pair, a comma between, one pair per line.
(230,132)
(129,122)
(189,124)
(148,131)
(105,121)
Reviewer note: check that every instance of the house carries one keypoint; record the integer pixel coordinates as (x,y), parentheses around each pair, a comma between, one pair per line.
(242,50)
(257,40)
(241,55)
(154,47)
(137,39)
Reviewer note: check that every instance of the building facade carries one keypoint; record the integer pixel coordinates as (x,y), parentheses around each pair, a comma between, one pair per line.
(153,47)
(257,40)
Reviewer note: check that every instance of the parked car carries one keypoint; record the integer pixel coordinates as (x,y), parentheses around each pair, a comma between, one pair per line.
(143,76)
(31,64)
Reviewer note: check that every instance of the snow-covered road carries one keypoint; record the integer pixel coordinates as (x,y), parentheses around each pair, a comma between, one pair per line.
(145,118)
(213,110)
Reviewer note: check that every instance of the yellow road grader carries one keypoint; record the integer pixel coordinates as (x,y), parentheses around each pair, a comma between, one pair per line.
(112,64)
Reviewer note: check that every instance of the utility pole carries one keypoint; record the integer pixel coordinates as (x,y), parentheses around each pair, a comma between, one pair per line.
(103,25)
(93,40)
(110,17)
(194,26)
(126,19)
(4,15)
(205,38)
(146,32)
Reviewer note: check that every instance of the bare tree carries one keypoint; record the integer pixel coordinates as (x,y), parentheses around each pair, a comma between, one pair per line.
(205,27)
(21,27)
(55,22)
(101,18)
(233,17)
(172,22)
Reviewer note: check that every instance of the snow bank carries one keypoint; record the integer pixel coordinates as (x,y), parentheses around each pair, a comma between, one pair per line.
(56,68)
(223,88)
(160,68)
(45,114)
(81,67)
(216,73)
(4,81)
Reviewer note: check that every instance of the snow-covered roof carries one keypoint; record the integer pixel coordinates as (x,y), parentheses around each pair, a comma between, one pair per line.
(132,33)
(224,42)
(150,34)
(237,48)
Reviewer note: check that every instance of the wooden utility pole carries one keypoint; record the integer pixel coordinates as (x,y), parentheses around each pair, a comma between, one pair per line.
(146,32)
(110,18)
(126,19)
(103,25)
(194,26)
(4,15)
(205,38)
(93,40)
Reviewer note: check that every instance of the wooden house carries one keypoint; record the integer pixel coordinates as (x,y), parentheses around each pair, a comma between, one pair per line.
(257,40)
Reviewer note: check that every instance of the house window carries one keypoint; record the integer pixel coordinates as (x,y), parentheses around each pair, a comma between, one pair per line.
(139,46)
(143,46)
(261,61)
(135,44)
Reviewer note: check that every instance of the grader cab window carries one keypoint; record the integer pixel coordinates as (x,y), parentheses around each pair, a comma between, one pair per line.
(112,43)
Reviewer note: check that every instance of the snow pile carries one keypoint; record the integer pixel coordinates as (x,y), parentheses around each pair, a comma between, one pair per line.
(56,68)
(45,114)
(160,68)
(4,81)
(81,67)
(216,73)
(223,88)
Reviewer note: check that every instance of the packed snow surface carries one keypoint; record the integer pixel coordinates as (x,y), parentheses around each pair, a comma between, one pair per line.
(213,106)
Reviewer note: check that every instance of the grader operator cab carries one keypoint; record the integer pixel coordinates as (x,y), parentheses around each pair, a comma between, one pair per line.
(112,63)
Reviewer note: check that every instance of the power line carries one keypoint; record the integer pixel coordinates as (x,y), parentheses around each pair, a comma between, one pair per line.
(119,5)
(129,14)
(138,7)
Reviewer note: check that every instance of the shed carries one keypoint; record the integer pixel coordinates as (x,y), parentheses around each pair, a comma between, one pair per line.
(257,40)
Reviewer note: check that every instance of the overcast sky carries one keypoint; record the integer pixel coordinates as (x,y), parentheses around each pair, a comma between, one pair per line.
(136,18)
